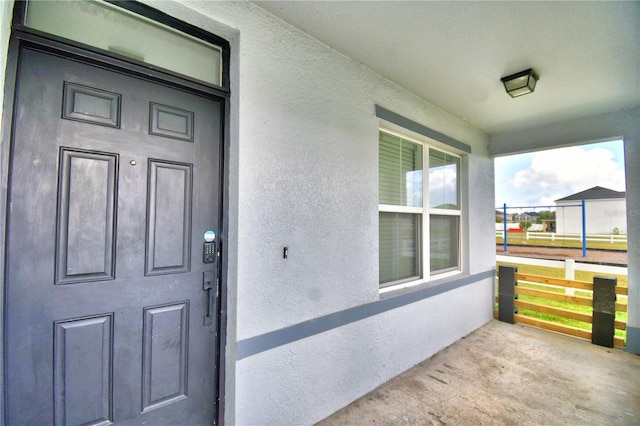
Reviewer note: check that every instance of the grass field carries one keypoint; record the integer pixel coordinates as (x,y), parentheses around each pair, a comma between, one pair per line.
(559,273)
(520,239)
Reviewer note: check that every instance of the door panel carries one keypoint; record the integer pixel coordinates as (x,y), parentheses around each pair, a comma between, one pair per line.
(164,360)
(113,182)
(83,369)
(87,185)
(168,218)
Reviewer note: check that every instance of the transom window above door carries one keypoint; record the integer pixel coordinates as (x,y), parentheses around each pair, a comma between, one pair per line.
(115,29)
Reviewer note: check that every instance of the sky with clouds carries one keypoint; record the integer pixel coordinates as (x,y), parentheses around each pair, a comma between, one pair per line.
(540,178)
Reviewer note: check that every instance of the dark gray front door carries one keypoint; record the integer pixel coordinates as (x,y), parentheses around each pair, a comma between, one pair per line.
(113,183)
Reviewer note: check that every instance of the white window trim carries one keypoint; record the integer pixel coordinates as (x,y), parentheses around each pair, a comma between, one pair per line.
(425,211)
(400,209)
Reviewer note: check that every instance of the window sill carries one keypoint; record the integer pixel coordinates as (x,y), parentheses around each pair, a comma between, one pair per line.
(410,287)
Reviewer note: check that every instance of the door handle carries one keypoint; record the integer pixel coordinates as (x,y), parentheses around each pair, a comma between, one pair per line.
(209,285)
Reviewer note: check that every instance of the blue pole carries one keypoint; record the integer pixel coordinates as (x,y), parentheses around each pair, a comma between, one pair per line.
(584,231)
(504,210)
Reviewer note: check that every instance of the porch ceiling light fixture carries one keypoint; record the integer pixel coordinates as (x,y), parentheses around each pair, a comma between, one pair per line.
(520,83)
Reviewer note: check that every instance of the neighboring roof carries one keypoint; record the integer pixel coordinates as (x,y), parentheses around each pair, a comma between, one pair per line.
(595,193)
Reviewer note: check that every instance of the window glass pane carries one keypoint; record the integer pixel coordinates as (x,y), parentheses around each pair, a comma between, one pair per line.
(112,28)
(400,167)
(444,239)
(443,180)
(399,247)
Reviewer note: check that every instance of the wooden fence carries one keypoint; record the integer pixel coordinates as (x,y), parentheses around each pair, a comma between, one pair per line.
(601,297)
(552,236)
(570,266)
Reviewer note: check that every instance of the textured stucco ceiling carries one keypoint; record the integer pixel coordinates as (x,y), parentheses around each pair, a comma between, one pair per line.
(453,54)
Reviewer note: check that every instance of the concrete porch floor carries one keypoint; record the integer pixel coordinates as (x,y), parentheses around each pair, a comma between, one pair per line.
(508,374)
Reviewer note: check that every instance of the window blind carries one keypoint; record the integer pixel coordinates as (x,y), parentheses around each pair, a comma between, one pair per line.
(444,236)
(399,247)
(401,183)
(400,171)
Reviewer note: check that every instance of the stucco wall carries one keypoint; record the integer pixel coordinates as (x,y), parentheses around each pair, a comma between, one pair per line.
(6,8)
(302,173)
(307,178)
(632,171)
(307,380)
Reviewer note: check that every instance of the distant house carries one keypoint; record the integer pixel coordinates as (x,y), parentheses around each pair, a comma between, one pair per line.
(516,218)
(605,212)
(527,217)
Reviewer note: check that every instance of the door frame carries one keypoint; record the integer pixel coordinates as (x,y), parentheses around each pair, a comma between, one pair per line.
(24,37)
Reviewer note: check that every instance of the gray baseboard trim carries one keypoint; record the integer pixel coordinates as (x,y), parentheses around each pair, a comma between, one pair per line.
(273,339)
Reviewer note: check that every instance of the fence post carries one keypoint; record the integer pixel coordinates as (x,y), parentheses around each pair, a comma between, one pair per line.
(584,230)
(604,310)
(507,293)
(569,274)
(504,227)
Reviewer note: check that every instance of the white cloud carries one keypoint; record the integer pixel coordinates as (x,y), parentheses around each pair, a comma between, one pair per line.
(540,178)
(565,171)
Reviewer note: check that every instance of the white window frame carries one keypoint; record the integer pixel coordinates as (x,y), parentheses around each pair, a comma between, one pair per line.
(426,212)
